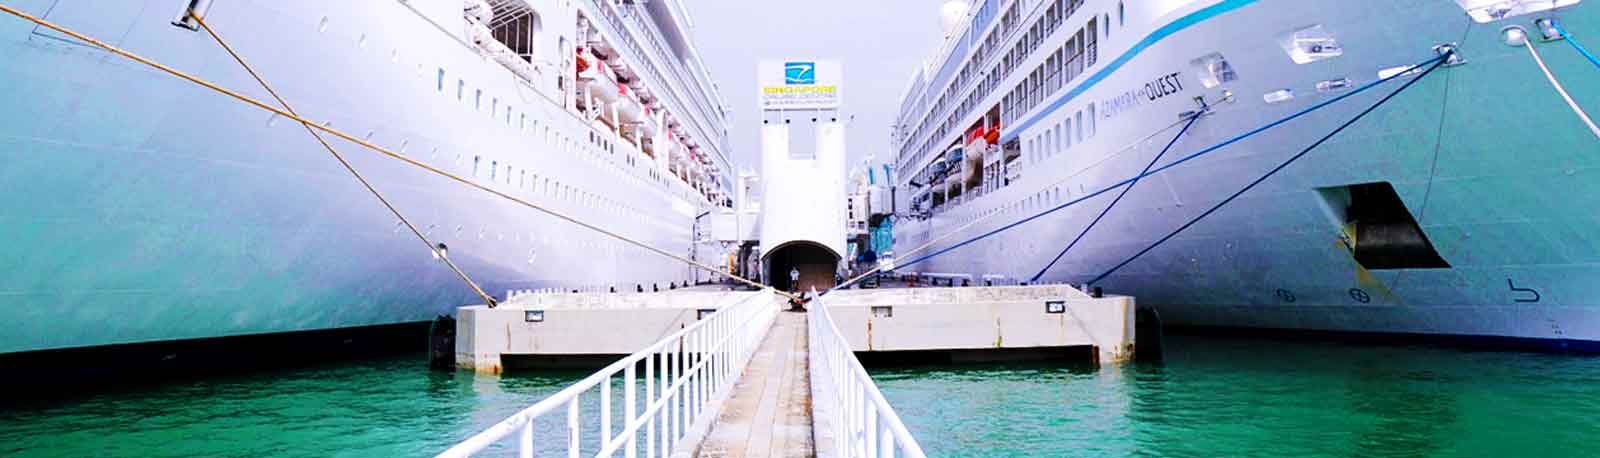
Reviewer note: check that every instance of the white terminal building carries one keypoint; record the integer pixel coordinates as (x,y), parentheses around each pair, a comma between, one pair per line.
(802,215)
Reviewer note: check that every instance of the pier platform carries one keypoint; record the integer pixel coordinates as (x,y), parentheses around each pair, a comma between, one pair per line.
(577,329)
(727,374)
(986,323)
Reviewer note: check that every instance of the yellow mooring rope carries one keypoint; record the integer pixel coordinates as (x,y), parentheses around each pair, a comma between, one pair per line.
(368,145)
(438,251)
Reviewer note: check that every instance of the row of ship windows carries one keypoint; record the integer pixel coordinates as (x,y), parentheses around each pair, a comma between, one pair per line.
(1063,65)
(1072,130)
(1036,202)
(492,171)
(523,123)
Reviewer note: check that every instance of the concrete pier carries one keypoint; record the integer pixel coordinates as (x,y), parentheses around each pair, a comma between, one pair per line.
(998,319)
(763,406)
(577,328)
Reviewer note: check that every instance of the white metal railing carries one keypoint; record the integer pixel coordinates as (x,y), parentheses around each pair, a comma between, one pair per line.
(683,373)
(845,400)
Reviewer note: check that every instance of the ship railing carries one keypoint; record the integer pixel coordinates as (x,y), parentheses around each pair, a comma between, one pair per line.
(848,411)
(683,374)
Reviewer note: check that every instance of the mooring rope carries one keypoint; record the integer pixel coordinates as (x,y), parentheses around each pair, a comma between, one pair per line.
(1179,161)
(366,144)
(1438,63)
(1119,197)
(1575,45)
(985,218)
(1582,115)
(438,251)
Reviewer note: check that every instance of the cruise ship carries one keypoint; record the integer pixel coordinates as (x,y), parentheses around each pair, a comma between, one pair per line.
(1462,208)
(138,207)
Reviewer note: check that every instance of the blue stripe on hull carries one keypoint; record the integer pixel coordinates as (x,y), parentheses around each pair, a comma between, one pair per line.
(1155,37)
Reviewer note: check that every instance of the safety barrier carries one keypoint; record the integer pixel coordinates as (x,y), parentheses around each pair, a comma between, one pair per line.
(683,373)
(846,405)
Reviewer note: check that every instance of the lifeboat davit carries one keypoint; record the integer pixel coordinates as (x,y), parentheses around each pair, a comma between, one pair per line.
(628,106)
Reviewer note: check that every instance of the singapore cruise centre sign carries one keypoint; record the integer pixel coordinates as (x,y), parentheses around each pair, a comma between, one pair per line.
(799,84)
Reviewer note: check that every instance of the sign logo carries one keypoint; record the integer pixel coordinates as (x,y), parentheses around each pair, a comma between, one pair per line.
(799,73)
(799,83)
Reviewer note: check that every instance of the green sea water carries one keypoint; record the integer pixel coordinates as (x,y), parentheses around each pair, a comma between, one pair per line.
(1254,397)
(1212,397)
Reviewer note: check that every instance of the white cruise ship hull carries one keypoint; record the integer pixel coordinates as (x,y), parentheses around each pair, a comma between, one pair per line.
(137,207)
(1494,168)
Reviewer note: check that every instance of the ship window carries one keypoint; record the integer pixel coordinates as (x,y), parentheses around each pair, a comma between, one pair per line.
(493,166)
(1091,122)
(494,106)
(1077,130)
(1066,135)
(475,161)
(461,89)
(477,100)
(1310,44)
(1122,14)
(441,80)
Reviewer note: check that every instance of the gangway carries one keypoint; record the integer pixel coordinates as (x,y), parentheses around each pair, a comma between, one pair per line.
(749,379)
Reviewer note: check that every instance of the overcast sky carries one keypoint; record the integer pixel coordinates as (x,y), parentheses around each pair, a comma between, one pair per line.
(878,42)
